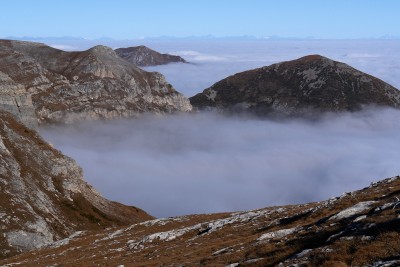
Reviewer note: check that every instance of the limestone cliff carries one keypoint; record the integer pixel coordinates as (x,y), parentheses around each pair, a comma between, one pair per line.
(92,84)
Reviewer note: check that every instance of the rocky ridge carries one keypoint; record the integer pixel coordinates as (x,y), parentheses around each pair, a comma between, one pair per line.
(43,195)
(92,84)
(358,228)
(305,86)
(144,56)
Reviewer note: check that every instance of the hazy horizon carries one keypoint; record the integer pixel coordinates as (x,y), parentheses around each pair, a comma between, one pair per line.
(124,19)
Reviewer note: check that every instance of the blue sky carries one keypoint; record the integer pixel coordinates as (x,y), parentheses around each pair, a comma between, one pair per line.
(124,19)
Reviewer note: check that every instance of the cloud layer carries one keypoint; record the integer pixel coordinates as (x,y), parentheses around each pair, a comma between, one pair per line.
(202,163)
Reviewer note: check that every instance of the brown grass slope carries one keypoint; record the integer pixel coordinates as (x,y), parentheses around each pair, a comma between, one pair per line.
(360,228)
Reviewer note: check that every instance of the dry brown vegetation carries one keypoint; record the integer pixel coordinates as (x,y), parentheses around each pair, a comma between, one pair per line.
(318,238)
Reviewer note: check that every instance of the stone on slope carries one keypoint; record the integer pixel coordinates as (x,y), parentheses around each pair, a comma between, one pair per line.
(360,228)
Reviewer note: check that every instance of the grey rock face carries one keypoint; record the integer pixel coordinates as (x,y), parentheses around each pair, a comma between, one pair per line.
(92,84)
(144,56)
(305,86)
(15,99)
(43,196)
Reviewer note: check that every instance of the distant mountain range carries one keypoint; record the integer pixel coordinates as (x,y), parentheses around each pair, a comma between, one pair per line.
(193,37)
(305,86)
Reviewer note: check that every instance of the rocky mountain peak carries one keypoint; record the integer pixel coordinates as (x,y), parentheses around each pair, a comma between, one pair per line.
(144,56)
(305,86)
(91,84)
(140,47)
(315,62)
(312,58)
(101,49)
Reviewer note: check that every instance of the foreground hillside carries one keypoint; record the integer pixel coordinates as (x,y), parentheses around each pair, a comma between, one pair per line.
(305,86)
(356,229)
(91,84)
(43,197)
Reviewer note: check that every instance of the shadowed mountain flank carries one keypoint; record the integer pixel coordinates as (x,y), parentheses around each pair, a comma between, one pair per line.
(43,195)
(305,86)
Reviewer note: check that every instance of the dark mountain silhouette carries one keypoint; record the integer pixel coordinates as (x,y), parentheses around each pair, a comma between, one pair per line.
(308,85)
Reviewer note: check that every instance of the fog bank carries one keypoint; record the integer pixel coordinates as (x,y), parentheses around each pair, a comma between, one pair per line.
(202,163)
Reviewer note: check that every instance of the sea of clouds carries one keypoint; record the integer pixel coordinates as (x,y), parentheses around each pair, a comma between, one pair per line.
(202,163)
